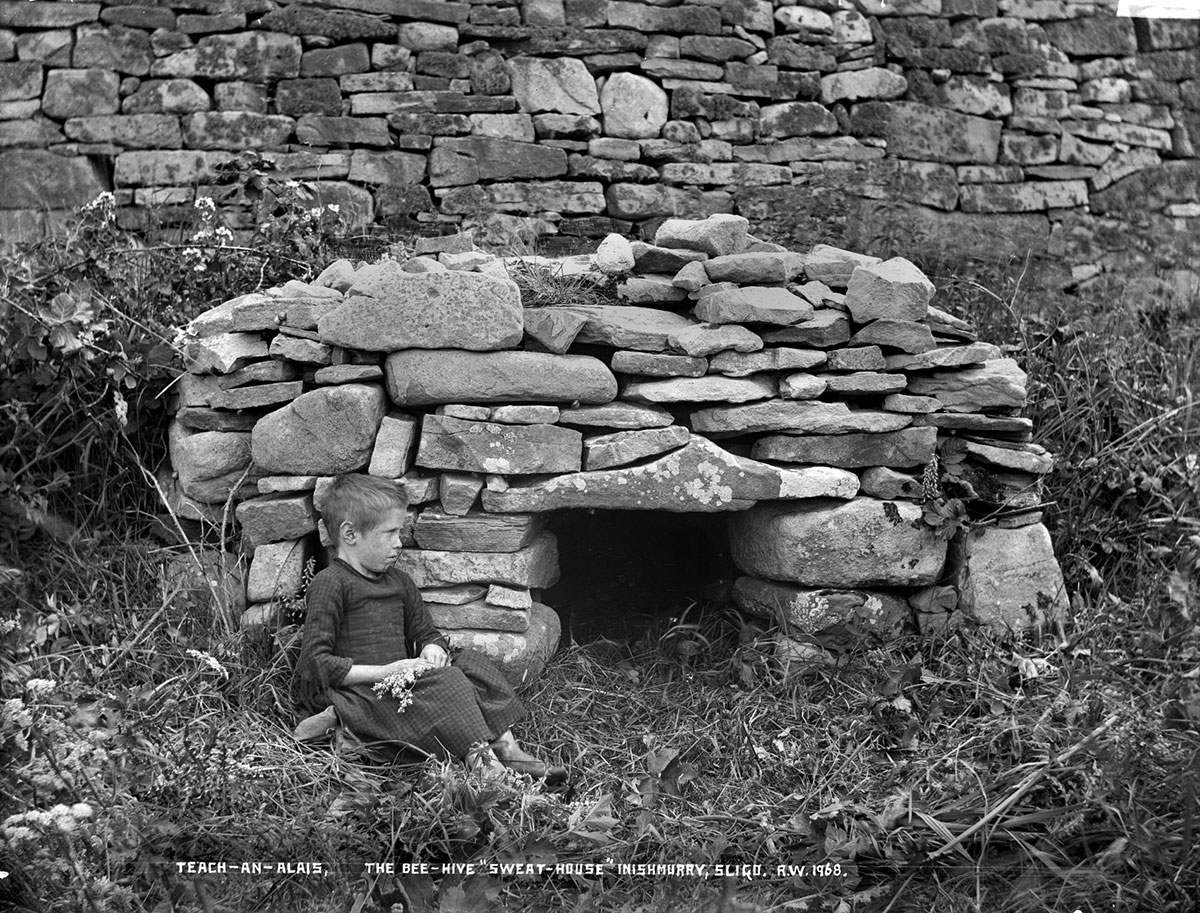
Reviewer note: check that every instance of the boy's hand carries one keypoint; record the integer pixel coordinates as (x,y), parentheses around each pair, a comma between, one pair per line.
(406,665)
(435,656)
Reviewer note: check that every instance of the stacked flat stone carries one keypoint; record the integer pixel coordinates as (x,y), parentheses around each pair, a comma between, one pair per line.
(807,393)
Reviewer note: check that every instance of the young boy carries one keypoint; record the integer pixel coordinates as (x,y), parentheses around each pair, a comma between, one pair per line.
(366,621)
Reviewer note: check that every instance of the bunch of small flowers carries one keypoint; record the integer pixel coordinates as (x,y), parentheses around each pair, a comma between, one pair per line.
(399,686)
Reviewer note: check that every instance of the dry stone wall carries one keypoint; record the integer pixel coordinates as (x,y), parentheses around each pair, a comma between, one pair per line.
(806,394)
(978,126)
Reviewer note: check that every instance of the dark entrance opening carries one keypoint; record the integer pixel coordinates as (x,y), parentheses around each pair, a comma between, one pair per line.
(623,573)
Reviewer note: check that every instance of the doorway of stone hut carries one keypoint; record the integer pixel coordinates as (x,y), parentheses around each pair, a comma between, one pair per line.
(625,574)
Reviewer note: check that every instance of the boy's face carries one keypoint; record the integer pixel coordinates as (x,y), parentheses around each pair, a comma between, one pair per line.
(377,549)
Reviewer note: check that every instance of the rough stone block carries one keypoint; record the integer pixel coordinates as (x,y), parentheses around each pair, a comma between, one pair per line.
(277,570)
(1016,582)
(392,453)
(256,56)
(521,657)
(236,130)
(327,431)
(80,93)
(861,542)
(477,531)
(897,449)
(534,566)
(807,611)
(489,447)
(387,309)
(801,417)
(417,377)
(277,517)
(561,85)
(893,289)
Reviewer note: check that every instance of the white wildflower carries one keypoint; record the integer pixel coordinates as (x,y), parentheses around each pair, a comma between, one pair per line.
(399,686)
(205,205)
(292,185)
(121,408)
(209,660)
(334,208)
(40,687)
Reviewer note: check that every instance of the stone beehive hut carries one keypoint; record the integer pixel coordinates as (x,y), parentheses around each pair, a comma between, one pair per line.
(807,394)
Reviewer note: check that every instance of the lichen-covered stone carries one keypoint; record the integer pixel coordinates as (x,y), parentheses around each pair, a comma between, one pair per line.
(800,610)
(387,309)
(1015,582)
(521,657)
(718,235)
(699,477)
(861,542)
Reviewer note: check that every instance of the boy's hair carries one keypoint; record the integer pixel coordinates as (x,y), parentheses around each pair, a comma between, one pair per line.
(361,500)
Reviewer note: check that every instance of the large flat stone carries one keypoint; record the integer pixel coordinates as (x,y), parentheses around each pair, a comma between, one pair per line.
(535,565)
(834,266)
(616,415)
(327,431)
(929,134)
(800,416)
(277,570)
(35,179)
(455,161)
(905,335)
(604,451)
(800,610)
(430,377)
(210,463)
(561,85)
(252,56)
(651,364)
(894,289)
(490,447)
(946,357)
(753,304)
(479,615)
(554,328)
(754,267)
(716,236)
(278,517)
(843,544)
(521,657)
(705,339)
(1016,582)
(741,364)
(699,477)
(389,309)
(624,327)
(897,449)
(477,531)
(825,329)
(707,389)
(996,384)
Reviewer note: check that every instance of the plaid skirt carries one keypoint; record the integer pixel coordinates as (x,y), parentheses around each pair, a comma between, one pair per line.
(452,709)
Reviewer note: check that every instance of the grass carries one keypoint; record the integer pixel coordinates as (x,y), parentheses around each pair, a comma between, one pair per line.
(961,771)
